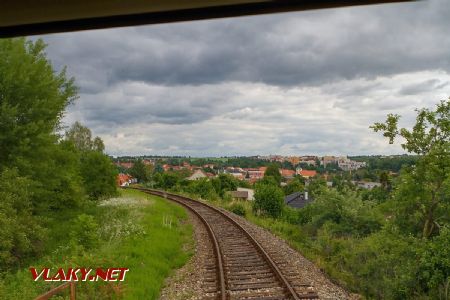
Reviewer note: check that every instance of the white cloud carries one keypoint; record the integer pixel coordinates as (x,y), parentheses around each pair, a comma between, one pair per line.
(236,118)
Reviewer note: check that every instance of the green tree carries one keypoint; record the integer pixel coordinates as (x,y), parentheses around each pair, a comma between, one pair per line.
(422,198)
(96,169)
(269,180)
(85,232)
(168,181)
(317,186)
(203,188)
(274,171)
(33,97)
(345,210)
(435,264)
(98,144)
(99,175)
(269,200)
(20,231)
(224,183)
(61,184)
(294,186)
(385,180)
(140,171)
(81,137)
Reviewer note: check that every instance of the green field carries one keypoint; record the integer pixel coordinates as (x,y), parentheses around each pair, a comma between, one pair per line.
(144,233)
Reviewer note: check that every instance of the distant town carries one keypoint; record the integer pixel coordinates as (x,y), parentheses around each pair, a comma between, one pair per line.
(362,171)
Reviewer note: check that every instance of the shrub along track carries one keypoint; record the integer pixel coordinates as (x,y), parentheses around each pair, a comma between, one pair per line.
(240,267)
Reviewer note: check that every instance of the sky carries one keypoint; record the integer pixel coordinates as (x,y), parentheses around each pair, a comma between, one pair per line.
(292,84)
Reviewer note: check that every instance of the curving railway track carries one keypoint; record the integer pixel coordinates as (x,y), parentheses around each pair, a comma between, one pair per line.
(239,267)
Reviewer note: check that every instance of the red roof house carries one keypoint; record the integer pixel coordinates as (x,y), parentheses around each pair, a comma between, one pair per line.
(308,173)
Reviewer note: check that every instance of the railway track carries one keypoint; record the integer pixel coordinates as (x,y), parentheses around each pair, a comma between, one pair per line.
(239,267)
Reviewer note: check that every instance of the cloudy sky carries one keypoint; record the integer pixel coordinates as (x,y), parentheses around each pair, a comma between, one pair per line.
(293,83)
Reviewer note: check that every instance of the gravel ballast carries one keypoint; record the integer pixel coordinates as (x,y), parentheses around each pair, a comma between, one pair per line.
(278,249)
(188,282)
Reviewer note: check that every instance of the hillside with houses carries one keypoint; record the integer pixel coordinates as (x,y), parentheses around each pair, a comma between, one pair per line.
(329,170)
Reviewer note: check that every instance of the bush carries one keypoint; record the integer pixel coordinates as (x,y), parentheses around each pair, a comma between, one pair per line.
(224,183)
(291,215)
(435,264)
(20,233)
(202,188)
(99,175)
(238,209)
(384,265)
(85,232)
(269,200)
(167,181)
(351,215)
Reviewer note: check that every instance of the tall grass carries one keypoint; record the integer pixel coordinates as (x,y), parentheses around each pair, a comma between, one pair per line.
(133,232)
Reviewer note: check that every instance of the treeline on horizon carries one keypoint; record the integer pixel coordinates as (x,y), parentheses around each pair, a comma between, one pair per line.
(374,162)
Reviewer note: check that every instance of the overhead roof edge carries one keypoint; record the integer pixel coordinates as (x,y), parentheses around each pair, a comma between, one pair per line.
(53,24)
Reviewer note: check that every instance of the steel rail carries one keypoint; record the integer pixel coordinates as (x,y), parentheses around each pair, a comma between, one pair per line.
(217,251)
(257,245)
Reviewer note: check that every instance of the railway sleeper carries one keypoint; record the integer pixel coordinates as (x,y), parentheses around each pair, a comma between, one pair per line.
(250,276)
(254,286)
(259,281)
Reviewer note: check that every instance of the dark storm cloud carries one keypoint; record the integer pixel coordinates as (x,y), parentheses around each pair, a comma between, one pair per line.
(137,102)
(286,49)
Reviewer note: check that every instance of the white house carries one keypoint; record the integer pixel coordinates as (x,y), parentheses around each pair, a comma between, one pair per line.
(250,192)
(197,175)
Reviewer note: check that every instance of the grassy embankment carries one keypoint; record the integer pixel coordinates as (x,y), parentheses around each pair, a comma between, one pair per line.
(144,233)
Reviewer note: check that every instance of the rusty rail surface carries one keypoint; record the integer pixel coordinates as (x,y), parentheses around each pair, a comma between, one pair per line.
(59,289)
(244,269)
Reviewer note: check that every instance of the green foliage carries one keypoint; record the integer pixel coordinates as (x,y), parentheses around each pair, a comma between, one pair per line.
(85,232)
(295,185)
(291,215)
(274,171)
(422,198)
(20,232)
(431,131)
(202,188)
(317,186)
(40,171)
(224,183)
(377,195)
(389,128)
(341,183)
(344,212)
(243,162)
(81,137)
(269,200)
(238,209)
(383,265)
(33,98)
(392,163)
(435,264)
(167,181)
(267,180)
(140,171)
(96,169)
(151,256)
(99,175)
(58,180)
